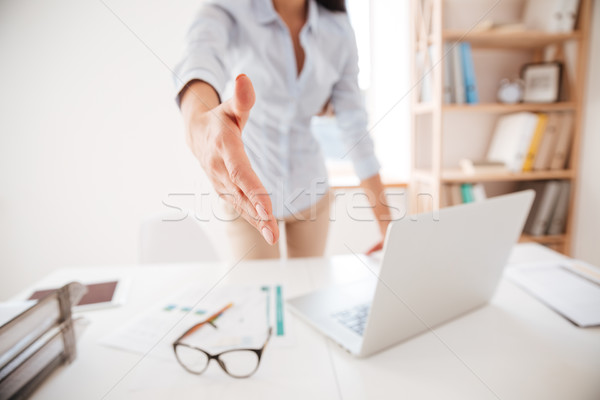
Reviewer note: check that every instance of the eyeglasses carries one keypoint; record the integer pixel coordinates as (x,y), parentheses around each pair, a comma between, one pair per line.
(237,363)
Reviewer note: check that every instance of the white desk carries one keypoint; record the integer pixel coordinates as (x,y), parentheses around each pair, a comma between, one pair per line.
(514,348)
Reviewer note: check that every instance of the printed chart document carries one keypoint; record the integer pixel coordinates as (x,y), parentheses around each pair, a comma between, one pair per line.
(570,287)
(244,324)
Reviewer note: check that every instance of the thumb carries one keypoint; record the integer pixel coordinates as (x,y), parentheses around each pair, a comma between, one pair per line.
(241,103)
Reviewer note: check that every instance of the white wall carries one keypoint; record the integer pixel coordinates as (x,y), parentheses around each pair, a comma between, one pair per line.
(389,96)
(91,142)
(587,232)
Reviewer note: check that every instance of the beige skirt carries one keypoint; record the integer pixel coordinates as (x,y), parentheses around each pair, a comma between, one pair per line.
(305,233)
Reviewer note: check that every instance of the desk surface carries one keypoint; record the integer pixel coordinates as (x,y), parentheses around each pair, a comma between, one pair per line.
(514,348)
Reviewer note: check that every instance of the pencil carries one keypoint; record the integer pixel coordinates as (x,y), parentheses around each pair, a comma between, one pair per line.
(210,319)
(218,313)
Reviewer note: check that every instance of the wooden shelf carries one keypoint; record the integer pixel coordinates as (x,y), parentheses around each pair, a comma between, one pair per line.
(547,239)
(420,175)
(424,108)
(509,40)
(457,176)
(342,176)
(508,51)
(508,108)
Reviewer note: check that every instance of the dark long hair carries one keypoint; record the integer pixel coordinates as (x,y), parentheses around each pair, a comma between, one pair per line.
(333,5)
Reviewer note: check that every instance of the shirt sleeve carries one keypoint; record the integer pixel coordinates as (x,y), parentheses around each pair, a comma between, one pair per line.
(351,115)
(206,48)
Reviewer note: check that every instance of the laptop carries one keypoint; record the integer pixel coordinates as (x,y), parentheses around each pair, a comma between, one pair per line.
(435,267)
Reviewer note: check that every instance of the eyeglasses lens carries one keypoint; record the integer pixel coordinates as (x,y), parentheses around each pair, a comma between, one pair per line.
(239,363)
(193,360)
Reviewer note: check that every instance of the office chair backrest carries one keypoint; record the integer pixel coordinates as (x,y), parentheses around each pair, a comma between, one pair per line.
(163,240)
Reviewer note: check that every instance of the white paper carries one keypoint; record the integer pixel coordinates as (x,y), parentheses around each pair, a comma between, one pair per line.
(244,324)
(570,287)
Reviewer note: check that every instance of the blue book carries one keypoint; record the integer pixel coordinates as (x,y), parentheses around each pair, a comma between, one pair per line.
(466,190)
(469,73)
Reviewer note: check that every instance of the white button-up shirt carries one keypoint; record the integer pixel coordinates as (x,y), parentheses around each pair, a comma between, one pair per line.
(231,37)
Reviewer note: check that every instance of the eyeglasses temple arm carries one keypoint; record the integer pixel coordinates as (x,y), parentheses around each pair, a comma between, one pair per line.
(210,320)
(268,336)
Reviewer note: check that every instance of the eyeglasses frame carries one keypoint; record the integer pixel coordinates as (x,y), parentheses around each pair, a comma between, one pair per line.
(215,357)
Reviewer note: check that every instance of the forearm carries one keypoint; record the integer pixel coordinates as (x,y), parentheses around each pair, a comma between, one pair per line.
(197,98)
(375,192)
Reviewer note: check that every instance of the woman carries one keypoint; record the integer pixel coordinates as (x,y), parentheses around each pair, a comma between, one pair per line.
(291,57)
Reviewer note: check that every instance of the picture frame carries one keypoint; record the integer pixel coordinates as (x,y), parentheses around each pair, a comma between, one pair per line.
(542,82)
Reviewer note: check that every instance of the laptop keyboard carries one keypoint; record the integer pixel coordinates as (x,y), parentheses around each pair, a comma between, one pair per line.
(354,318)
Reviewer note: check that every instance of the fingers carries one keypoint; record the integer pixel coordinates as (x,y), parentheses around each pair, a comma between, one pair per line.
(239,106)
(261,226)
(243,96)
(251,208)
(267,228)
(377,247)
(256,208)
(266,224)
(243,178)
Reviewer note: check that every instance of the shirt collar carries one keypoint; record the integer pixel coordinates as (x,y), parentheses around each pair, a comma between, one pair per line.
(313,15)
(265,12)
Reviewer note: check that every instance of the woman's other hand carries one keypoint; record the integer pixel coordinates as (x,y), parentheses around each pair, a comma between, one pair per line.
(214,134)
(377,247)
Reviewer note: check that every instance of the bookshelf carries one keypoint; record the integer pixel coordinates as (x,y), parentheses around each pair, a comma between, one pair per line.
(510,40)
(441,133)
(424,108)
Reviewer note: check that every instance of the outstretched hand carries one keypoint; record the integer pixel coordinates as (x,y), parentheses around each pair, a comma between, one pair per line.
(215,137)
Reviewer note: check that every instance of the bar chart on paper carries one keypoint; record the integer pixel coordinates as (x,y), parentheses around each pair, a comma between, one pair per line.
(244,324)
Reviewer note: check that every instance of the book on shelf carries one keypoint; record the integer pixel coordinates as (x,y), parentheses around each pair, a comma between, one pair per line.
(424,67)
(445,199)
(558,221)
(511,139)
(479,193)
(570,11)
(466,189)
(527,141)
(535,142)
(544,205)
(471,94)
(460,85)
(548,144)
(552,16)
(461,193)
(448,78)
(458,82)
(455,194)
(563,142)
(474,167)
